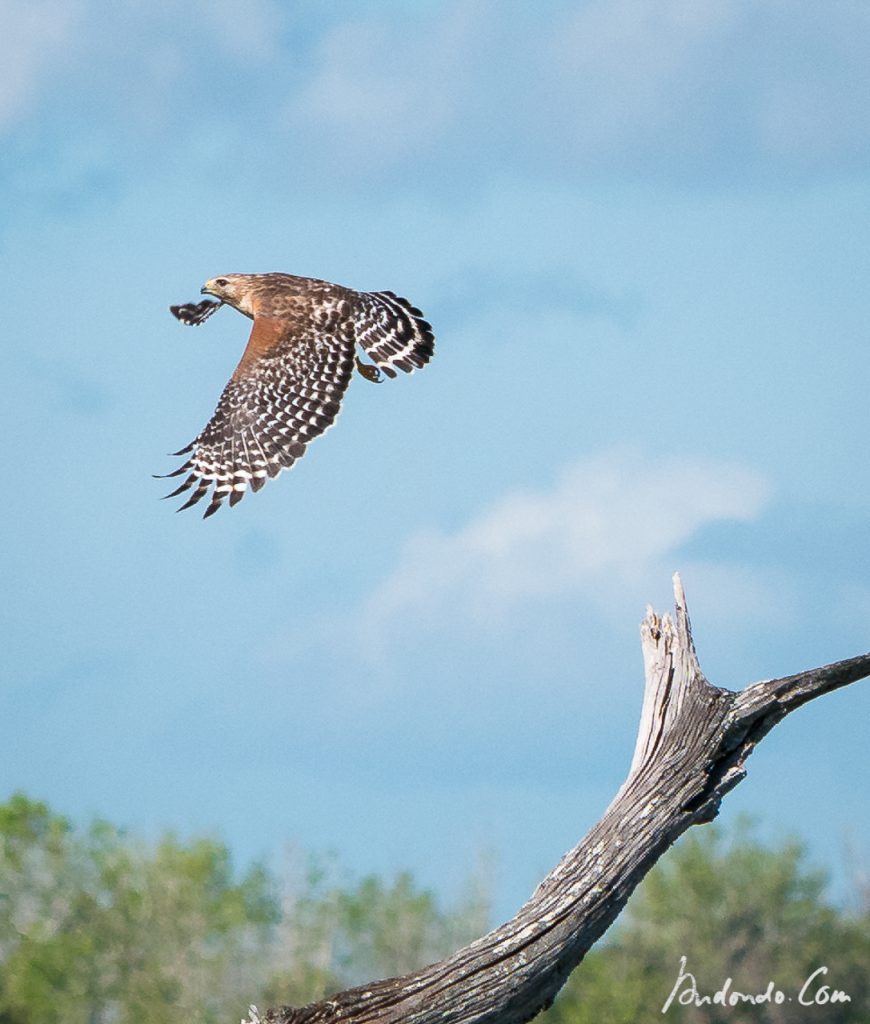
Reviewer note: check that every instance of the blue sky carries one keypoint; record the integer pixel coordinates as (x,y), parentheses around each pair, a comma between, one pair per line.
(642,235)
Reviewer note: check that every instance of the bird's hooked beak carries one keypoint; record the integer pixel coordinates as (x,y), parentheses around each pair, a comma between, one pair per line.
(213,287)
(216,286)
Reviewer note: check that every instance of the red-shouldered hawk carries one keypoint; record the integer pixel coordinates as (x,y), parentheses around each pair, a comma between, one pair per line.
(288,386)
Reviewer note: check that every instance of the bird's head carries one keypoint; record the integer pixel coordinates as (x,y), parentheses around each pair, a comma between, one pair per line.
(232,289)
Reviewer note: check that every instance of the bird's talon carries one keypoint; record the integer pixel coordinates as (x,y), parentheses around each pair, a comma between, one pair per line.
(368,371)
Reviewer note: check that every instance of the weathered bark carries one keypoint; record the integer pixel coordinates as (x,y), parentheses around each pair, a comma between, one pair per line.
(691,747)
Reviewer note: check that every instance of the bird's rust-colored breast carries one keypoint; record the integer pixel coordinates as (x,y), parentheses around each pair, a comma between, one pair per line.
(266,333)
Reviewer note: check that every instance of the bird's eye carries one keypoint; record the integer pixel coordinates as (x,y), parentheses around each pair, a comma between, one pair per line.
(222,281)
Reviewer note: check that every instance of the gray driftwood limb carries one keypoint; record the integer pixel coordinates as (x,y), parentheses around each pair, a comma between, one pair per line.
(692,744)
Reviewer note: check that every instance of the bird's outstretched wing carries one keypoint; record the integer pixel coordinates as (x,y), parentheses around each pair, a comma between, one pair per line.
(393,332)
(286,391)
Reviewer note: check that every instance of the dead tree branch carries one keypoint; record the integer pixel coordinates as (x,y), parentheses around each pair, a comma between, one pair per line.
(691,748)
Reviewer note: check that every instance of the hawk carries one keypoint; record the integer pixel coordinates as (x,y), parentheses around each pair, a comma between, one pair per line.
(288,386)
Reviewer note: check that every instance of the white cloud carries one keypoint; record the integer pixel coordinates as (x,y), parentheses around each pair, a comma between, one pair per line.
(139,61)
(626,65)
(610,525)
(34,35)
(720,88)
(380,94)
(454,90)
(249,32)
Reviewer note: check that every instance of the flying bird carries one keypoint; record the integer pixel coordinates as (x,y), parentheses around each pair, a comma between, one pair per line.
(288,386)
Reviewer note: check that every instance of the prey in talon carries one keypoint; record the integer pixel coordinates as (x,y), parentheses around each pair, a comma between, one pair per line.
(288,387)
(195,313)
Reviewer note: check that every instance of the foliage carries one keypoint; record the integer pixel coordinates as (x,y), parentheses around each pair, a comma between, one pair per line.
(98,928)
(95,926)
(338,932)
(735,910)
